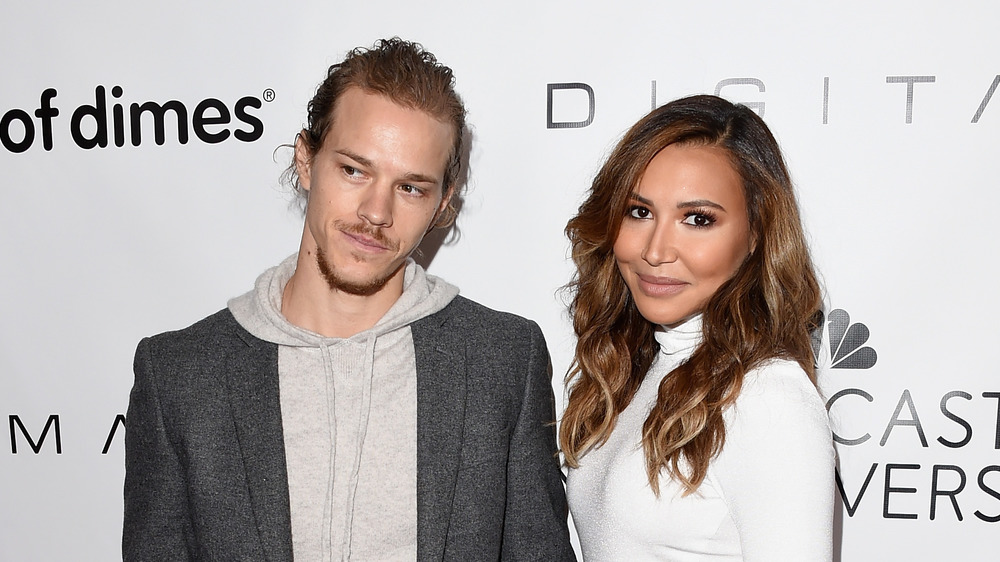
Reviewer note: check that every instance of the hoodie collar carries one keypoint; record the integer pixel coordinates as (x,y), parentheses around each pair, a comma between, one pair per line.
(259,310)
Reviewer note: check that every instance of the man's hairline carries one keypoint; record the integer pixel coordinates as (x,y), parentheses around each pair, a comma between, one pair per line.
(453,145)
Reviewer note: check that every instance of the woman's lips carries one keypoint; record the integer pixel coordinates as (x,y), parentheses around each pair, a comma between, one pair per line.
(654,286)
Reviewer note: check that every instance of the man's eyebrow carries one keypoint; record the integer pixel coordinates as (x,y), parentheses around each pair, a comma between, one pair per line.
(356,157)
(421,178)
(411,176)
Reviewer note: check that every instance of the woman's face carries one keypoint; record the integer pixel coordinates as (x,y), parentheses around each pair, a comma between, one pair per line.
(685,234)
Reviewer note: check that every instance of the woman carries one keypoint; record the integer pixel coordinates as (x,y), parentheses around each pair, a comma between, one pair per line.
(694,430)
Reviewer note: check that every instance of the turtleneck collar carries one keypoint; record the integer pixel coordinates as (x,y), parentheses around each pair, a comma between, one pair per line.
(681,338)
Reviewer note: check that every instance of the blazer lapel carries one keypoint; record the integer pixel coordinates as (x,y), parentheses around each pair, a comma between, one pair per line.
(253,391)
(441,388)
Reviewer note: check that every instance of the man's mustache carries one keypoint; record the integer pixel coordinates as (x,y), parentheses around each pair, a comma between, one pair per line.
(372,232)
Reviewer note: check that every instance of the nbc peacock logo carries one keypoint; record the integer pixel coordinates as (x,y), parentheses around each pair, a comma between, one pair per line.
(846,341)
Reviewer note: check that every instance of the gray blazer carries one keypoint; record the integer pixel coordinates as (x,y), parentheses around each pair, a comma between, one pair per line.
(205,474)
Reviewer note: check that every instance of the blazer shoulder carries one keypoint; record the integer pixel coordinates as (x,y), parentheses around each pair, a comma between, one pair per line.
(469,315)
(209,332)
(201,346)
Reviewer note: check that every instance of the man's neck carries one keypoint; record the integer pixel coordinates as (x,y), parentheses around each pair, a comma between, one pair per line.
(309,302)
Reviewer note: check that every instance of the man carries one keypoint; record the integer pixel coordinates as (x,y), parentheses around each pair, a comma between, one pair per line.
(351,406)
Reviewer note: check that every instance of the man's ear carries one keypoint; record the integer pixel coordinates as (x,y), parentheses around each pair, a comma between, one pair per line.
(443,216)
(303,160)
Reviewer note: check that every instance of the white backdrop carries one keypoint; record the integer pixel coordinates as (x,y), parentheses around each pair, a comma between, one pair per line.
(885,112)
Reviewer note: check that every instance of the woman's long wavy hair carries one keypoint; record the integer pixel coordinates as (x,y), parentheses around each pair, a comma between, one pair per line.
(766,310)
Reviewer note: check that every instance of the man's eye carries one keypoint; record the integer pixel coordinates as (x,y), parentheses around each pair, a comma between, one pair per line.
(639,212)
(351,171)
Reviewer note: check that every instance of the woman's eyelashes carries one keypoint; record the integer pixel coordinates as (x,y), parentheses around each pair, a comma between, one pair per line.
(639,212)
(700,218)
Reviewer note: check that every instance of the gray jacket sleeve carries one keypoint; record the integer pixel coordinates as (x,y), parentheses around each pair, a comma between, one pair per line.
(204,464)
(535,526)
(157,523)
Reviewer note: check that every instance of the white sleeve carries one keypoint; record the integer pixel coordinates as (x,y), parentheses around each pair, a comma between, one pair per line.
(776,467)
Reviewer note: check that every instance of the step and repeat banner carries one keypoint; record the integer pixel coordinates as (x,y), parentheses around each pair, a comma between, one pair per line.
(142,146)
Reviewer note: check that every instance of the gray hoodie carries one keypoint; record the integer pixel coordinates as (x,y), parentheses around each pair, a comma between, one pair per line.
(352,467)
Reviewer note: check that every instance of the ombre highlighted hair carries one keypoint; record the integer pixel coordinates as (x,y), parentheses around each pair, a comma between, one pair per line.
(766,310)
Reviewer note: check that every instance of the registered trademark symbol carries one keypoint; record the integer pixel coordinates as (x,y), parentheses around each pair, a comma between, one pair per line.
(269,95)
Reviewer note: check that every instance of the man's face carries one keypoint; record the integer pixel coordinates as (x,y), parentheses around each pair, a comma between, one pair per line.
(374,189)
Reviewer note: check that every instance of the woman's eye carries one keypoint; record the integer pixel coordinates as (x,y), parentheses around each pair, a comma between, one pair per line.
(699,220)
(638,212)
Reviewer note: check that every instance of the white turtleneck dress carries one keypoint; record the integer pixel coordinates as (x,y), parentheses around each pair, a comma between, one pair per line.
(768,496)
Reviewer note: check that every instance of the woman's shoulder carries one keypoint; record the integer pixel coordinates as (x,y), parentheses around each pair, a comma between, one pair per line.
(778,375)
(780,389)
(778,420)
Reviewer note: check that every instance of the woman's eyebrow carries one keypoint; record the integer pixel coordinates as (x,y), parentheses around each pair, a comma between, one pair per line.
(683,204)
(641,199)
(700,203)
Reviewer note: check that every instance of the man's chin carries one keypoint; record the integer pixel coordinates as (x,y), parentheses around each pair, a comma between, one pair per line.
(364,288)
(360,285)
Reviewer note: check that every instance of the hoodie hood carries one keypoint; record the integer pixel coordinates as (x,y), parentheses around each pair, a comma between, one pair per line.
(259,310)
